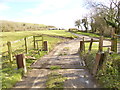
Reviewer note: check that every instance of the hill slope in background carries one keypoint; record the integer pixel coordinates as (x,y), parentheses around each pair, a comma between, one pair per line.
(8,26)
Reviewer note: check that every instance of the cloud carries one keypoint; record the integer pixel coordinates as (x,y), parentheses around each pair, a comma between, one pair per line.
(3,7)
(3,18)
(60,13)
(64,18)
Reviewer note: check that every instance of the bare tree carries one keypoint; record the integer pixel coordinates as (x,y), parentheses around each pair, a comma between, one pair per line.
(110,14)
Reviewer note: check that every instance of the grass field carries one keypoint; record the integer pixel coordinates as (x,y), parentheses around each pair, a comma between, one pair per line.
(12,36)
(89,34)
(95,46)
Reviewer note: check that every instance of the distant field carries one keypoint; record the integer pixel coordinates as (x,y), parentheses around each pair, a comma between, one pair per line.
(12,36)
(89,34)
(9,26)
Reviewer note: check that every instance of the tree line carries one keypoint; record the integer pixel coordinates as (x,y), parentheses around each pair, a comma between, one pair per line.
(102,19)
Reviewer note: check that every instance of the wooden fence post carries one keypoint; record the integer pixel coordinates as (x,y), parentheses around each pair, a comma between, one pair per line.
(10,51)
(21,63)
(37,44)
(26,47)
(45,44)
(114,43)
(42,42)
(101,44)
(81,46)
(97,59)
(98,62)
(90,47)
(34,41)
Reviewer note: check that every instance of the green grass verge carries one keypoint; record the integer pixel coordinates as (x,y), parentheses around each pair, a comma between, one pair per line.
(89,34)
(11,77)
(108,76)
(55,67)
(55,80)
(12,36)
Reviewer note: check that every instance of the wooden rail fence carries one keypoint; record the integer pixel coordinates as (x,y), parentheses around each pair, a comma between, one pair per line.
(82,44)
(24,44)
(100,55)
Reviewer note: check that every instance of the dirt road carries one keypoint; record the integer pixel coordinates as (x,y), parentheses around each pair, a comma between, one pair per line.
(67,57)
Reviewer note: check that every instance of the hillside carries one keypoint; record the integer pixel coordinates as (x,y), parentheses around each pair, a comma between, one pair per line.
(8,26)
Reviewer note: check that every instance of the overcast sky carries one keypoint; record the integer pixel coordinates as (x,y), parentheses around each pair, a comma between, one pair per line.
(60,13)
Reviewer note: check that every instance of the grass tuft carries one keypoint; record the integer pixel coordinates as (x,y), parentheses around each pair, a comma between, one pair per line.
(55,67)
(55,80)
